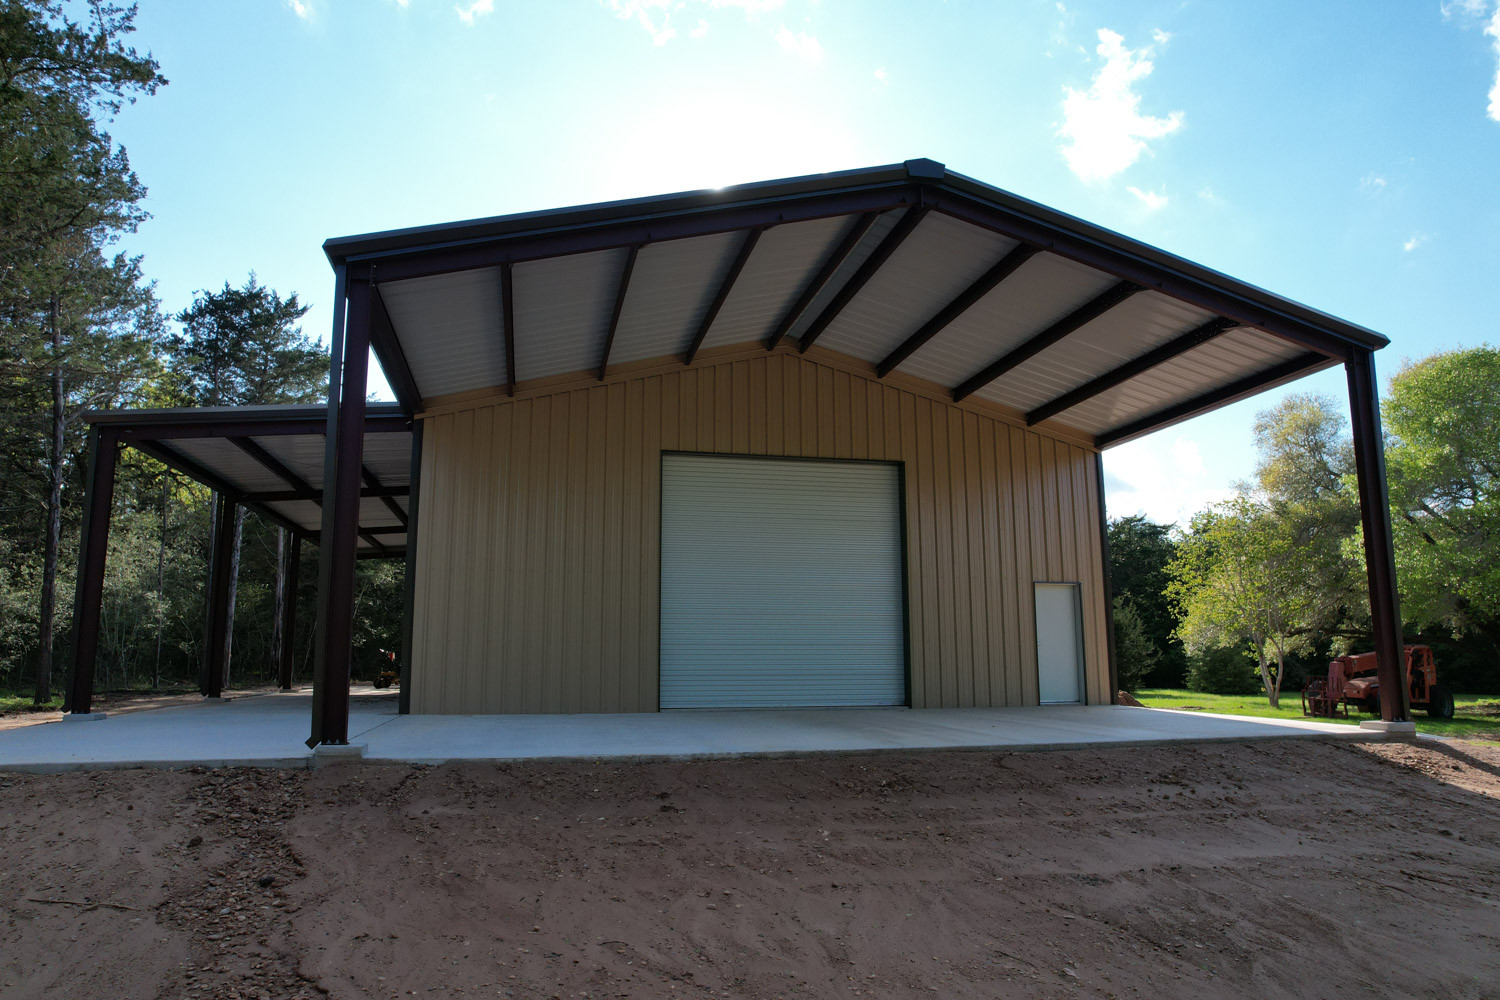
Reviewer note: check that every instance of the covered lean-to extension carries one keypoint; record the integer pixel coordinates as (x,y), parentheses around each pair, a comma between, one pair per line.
(819,442)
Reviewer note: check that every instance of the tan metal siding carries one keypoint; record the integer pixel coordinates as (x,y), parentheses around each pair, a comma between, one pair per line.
(538,580)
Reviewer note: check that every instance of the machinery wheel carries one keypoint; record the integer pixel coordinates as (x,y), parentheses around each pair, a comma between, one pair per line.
(1440,702)
(385,682)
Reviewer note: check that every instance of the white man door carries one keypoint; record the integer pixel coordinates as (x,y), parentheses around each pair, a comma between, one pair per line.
(1059,644)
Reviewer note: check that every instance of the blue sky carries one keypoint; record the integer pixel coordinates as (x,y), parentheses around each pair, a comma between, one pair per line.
(1343,154)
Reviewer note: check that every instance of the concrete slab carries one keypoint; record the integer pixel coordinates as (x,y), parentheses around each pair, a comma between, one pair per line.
(269,730)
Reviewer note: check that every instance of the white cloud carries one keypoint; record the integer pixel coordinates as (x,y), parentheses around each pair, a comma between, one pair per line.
(1473,12)
(882,78)
(467,14)
(1414,241)
(1167,483)
(1150,199)
(1493,30)
(1372,183)
(302,10)
(1103,128)
(655,16)
(800,44)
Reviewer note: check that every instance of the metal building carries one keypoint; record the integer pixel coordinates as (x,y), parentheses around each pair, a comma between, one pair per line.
(824,441)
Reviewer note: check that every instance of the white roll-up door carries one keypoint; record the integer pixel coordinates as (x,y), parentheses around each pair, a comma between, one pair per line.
(780,583)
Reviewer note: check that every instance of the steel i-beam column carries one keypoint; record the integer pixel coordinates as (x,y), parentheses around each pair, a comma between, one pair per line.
(292,570)
(103,447)
(1380,552)
(218,625)
(338,541)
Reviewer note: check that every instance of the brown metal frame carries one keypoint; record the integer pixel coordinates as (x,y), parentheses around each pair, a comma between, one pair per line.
(292,573)
(97,501)
(218,628)
(1380,552)
(726,286)
(872,264)
(614,317)
(1082,316)
(831,264)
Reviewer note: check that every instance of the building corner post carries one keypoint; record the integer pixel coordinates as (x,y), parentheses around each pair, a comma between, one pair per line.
(1375,517)
(1109,585)
(338,541)
(88,595)
(218,627)
(409,583)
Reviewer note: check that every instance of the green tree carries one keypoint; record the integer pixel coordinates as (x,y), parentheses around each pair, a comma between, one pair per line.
(1140,551)
(1236,579)
(76,322)
(1135,652)
(242,346)
(1442,417)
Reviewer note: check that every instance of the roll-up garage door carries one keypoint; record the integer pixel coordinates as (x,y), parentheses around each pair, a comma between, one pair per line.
(780,583)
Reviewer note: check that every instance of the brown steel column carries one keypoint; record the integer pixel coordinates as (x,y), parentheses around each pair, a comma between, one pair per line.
(409,584)
(218,625)
(93,547)
(1109,585)
(338,542)
(292,571)
(1380,553)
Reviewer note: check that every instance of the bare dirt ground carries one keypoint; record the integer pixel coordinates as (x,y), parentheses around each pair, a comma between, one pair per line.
(123,703)
(1293,869)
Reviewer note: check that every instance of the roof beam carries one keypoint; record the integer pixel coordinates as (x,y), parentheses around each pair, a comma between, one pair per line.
(316,496)
(174,459)
(725,287)
(1206,289)
(881,254)
(392,358)
(1302,364)
(372,481)
(1216,327)
(547,240)
(986,283)
(1086,313)
(191,427)
(383,550)
(830,265)
(508,307)
(614,317)
(271,463)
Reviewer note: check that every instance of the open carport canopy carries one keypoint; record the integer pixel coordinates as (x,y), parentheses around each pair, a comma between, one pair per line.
(927,276)
(271,459)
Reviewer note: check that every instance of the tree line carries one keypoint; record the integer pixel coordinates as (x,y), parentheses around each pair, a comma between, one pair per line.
(82,328)
(1260,590)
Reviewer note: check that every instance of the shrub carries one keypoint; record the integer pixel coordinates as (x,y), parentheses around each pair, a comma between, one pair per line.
(1224,670)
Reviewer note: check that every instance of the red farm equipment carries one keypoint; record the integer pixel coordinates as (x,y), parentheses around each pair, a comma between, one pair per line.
(1354,679)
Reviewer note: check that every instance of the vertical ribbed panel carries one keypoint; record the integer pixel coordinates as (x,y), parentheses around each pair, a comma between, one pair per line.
(539,562)
(780,583)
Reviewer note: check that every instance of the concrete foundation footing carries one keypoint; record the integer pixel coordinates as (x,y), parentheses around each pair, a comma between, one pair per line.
(347,753)
(84,716)
(1390,728)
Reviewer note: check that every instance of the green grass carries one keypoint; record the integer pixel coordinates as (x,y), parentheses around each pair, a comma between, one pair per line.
(1474,716)
(20,701)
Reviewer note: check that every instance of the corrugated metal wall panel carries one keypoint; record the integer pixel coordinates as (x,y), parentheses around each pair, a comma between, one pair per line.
(670,290)
(760,609)
(562,311)
(1042,291)
(456,319)
(532,498)
(940,258)
(1221,361)
(784,261)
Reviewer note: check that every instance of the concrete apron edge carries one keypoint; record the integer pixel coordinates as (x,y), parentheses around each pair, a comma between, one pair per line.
(359,754)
